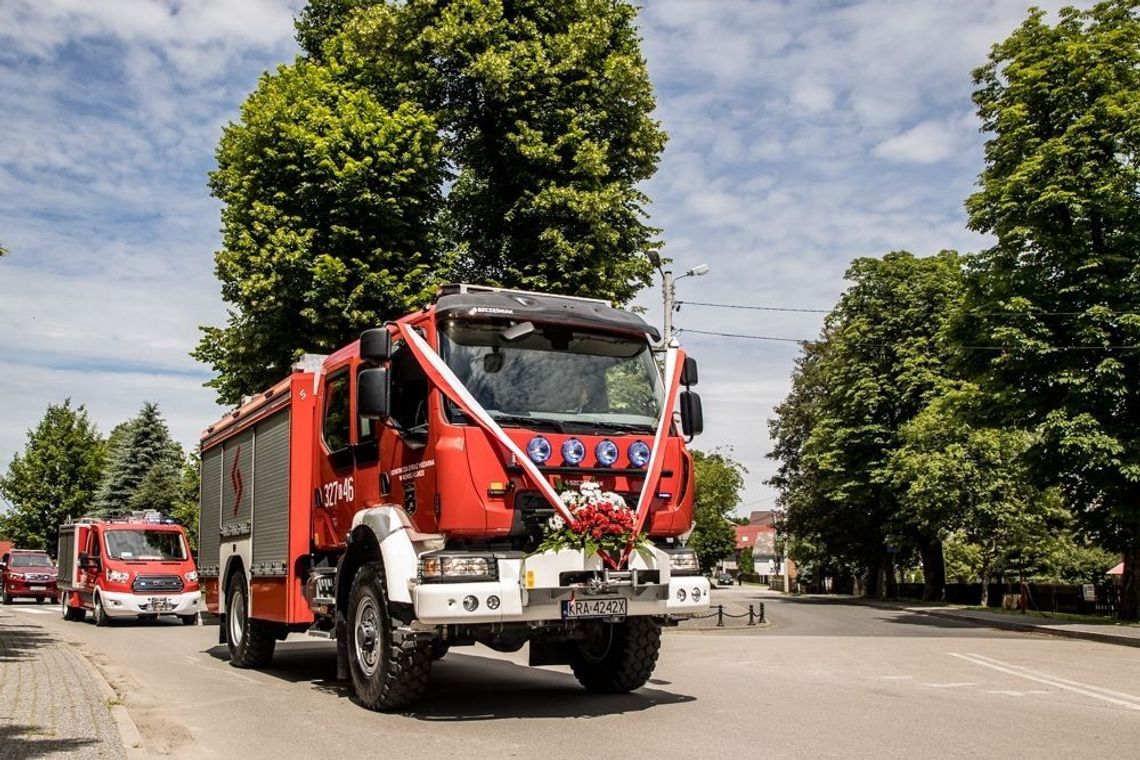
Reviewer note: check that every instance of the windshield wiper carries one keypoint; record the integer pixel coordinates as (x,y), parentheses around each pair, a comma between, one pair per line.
(541,423)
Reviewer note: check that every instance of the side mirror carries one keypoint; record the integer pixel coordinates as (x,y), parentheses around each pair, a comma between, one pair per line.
(376,345)
(689,372)
(692,418)
(372,393)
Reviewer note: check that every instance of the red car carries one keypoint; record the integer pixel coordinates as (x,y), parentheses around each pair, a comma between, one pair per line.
(28,573)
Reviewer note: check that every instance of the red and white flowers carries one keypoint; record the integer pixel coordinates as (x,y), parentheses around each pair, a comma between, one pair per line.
(602,524)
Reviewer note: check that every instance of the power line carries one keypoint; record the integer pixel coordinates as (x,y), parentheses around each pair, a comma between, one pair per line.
(794,310)
(891,345)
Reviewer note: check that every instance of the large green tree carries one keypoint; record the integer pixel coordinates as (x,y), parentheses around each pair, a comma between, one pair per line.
(329,198)
(1058,292)
(53,478)
(879,362)
(719,480)
(144,467)
(481,140)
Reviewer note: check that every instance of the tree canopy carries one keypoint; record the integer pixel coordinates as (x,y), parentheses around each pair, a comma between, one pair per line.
(478,140)
(719,479)
(1058,292)
(144,467)
(53,478)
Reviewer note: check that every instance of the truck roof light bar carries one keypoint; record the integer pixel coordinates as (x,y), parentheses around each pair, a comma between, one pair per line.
(463,287)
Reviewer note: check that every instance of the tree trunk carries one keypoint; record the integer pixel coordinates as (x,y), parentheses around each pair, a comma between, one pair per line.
(1130,580)
(933,571)
(891,585)
(986,587)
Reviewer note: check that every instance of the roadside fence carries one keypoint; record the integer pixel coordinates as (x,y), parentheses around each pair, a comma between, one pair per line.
(755,617)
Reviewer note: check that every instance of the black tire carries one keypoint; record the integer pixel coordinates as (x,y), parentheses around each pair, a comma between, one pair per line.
(188,619)
(72,614)
(437,649)
(39,600)
(7,598)
(251,642)
(386,674)
(617,657)
(101,617)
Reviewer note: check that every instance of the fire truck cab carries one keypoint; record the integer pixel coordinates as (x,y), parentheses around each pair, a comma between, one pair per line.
(137,567)
(393,494)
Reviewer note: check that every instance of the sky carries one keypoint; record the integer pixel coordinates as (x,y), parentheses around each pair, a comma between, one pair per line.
(802,135)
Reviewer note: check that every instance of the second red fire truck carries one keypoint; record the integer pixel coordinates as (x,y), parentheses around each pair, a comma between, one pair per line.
(393,495)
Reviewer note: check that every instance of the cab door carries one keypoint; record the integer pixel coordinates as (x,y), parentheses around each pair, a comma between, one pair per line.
(335,497)
(88,574)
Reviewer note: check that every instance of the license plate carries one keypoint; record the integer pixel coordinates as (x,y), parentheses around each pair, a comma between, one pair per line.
(160,604)
(36,587)
(595,608)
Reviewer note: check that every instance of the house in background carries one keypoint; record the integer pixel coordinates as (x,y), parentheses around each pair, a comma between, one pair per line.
(759,535)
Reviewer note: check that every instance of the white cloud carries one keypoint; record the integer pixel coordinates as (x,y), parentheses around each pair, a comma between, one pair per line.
(802,135)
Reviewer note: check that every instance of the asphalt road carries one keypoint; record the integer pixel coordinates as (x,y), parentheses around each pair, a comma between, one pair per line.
(822,680)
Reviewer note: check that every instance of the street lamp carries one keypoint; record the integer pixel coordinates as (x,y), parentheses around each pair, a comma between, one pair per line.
(670,295)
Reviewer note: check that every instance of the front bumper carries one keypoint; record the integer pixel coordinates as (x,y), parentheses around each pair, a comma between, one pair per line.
(529,590)
(119,604)
(31,589)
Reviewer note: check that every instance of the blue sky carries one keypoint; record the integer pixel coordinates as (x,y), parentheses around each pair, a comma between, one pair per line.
(802,135)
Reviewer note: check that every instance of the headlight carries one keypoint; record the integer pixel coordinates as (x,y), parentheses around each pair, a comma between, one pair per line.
(16,576)
(684,562)
(118,576)
(538,449)
(573,451)
(607,452)
(435,568)
(639,453)
(192,576)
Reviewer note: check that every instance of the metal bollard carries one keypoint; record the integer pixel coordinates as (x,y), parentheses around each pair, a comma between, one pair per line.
(720,616)
(751,616)
(762,620)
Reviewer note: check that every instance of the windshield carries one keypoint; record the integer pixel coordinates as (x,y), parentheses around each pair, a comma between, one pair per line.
(144,544)
(31,560)
(555,374)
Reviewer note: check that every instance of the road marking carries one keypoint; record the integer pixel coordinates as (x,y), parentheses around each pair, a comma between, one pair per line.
(1013,693)
(956,685)
(1089,690)
(895,678)
(37,611)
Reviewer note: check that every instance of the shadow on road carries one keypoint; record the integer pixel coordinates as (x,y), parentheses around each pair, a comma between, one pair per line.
(21,742)
(847,616)
(467,687)
(18,642)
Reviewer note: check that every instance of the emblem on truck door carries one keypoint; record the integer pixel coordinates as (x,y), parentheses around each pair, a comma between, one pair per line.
(235,479)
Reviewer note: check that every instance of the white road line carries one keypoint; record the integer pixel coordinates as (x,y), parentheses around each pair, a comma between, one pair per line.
(36,610)
(1089,690)
(955,685)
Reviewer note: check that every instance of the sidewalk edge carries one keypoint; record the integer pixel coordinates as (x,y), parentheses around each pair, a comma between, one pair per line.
(128,732)
(1014,625)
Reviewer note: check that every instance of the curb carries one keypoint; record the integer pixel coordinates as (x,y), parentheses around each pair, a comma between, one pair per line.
(1014,625)
(128,732)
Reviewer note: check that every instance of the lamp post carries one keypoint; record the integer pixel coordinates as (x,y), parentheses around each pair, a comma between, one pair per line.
(670,295)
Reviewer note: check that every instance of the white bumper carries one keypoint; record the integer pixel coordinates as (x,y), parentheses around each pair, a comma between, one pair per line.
(117,604)
(529,590)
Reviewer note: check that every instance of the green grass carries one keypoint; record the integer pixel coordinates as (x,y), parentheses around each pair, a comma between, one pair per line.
(1067,617)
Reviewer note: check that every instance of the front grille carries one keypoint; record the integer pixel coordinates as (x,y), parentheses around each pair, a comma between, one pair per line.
(157,583)
(38,577)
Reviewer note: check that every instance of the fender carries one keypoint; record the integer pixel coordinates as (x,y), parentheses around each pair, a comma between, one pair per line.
(400,546)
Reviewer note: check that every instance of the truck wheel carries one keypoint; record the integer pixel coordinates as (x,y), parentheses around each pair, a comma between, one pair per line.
(616,657)
(101,616)
(188,619)
(386,674)
(250,642)
(72,614)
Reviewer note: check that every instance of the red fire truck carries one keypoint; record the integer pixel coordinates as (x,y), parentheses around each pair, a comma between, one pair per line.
(392,495)
(137,566)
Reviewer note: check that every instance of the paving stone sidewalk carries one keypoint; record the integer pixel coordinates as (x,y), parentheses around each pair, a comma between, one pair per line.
(51,703)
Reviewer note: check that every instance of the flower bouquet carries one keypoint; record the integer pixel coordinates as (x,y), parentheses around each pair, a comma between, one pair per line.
(602,524)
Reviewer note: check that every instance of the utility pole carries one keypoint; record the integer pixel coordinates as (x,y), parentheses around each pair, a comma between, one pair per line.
(669,295)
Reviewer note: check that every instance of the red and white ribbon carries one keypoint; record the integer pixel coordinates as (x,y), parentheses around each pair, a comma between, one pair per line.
(444,379)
